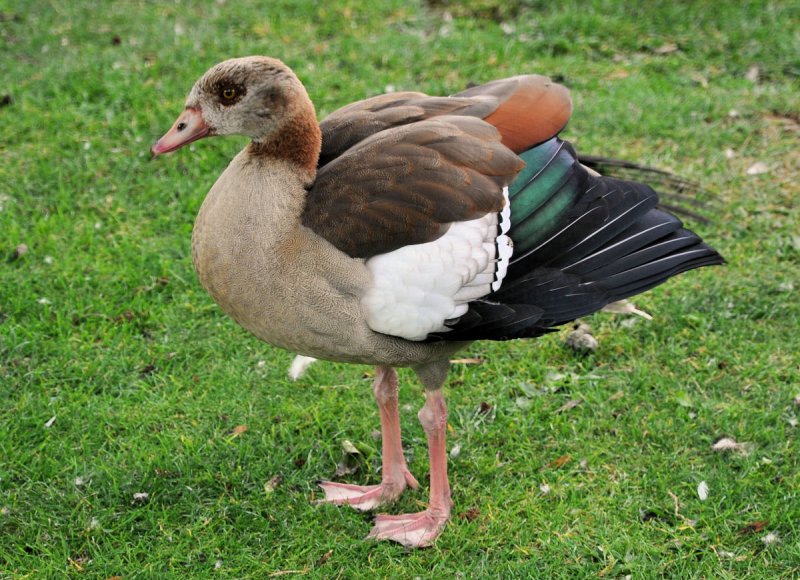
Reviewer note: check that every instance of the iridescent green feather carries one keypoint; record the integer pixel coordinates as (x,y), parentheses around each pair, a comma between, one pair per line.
(542,193)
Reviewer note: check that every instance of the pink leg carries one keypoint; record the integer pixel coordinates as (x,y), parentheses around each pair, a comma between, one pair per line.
(421,529)
(395,476)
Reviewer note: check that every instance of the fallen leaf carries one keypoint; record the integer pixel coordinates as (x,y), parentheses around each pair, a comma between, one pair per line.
(273,483)
(140,497)
(616,74)
(625,307)
(560,462)
(666,48)
(617,395)
(486,407)
(323,558)
(544,488)
(758,168)
(20,251)
(351,460)
(702,491)
(571,404)
(126,316)
(349,448)
(147,370)
(455,451)
(77,562)
(467,361)
(754,527)
(471,514)
(730,444)
(753,74)
(523,403)
(238,430)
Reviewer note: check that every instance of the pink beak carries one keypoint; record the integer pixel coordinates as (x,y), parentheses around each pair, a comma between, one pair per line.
(189,127)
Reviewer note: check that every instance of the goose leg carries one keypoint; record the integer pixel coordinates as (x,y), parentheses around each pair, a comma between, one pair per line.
(396,475)
(421,529)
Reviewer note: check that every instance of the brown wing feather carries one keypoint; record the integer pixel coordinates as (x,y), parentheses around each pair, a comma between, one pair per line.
(530,109)
(525,109)
(406,184)
(355,122)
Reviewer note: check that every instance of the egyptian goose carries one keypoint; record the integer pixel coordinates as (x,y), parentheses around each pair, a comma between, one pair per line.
(404,226)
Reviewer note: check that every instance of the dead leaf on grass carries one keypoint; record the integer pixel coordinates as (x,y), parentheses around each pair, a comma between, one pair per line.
(323,558)
(625,307)
(758,168)
(753,74)
(754,527)
(467,361)
(238,430)
(666,48)
(273,483)
(560,462)
(571,404)
(351,460)
(617,74)
(730,444)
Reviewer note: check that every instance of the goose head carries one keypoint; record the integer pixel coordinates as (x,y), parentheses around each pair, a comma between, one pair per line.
(256,96)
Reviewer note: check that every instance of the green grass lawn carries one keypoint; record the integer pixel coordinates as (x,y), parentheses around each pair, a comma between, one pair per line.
(119,376)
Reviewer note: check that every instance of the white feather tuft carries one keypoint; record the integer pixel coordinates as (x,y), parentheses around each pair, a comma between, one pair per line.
(299,366)
(416,288)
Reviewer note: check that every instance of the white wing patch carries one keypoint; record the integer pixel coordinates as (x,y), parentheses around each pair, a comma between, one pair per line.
(416,288)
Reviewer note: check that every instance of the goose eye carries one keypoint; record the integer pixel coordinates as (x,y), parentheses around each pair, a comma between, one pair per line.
(229,93)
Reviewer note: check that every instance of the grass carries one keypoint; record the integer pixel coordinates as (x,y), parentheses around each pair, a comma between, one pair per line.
(119,376)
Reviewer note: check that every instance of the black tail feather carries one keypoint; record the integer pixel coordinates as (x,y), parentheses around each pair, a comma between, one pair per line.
(603,240)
